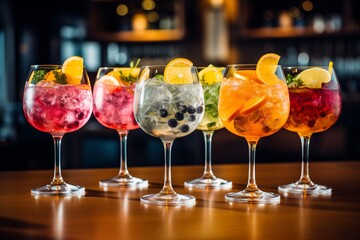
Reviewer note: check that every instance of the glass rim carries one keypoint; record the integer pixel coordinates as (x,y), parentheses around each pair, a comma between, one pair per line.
(112,67)
(250,64)
(164,65)
(309,66)
(49,65)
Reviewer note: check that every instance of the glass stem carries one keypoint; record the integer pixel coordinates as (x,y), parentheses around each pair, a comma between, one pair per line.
(208,168)
(251,184)
(305,145)
(167,188)
(57,179)
(123,172)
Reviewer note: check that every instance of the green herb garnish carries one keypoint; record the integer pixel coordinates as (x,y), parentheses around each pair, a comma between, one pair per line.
(59,77)
(129,78)
(39,75)
(159,77)
(292,81)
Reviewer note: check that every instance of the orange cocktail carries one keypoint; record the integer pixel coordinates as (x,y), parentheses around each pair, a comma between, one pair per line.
(254,103)
(251,108)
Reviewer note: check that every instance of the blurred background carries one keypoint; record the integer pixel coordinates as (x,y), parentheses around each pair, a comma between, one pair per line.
(218,32)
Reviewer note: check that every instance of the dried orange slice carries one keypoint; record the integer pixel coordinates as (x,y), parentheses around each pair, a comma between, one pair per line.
(253,104)
(266,68)
(73,69)
(178,71)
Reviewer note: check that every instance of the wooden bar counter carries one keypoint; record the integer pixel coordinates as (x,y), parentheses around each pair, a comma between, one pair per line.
(119,214)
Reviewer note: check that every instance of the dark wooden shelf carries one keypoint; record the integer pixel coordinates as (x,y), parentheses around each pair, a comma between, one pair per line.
(293,32)
(139,36)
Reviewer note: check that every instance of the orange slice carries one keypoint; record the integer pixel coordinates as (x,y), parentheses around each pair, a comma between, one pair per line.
(266,68)
(245,74)
(230,113)
(108,80)
(253,104)
(73,69)
(178,71)
(124,75)
(50,76)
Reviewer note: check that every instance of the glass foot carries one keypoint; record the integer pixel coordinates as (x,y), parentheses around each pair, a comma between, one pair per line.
(169,200)
(259,197)
(124,182)
(59,190)
(305,189)
(208,183)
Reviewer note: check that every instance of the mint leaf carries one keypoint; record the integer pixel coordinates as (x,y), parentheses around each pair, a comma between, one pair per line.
(292,81)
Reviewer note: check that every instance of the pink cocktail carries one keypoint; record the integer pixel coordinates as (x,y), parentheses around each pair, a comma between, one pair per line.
(56,108)
(113,108)
(57,100)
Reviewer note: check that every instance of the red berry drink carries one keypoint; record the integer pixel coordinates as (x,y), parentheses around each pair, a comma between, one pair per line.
(113,106)
(57,108)
(313,110)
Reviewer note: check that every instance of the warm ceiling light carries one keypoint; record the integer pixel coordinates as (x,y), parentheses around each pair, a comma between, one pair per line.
(216,3)
(153,17)
(139,22)
(294,12)
(122,10)
(307,5)
(148,4)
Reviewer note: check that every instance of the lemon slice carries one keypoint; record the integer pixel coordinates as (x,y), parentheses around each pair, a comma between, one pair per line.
(108,80)
(211,75)
(266,68)
(178,71)
(314,77)
(253,104)
(73,69)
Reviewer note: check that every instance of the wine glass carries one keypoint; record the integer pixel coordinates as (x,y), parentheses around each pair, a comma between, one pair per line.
(315,105)
(56,102)
(210,78)
(169,104)
(113,107)
(253,105)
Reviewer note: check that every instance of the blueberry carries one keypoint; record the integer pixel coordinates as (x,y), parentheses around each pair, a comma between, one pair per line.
(179,116)
(163,113)
(184,128)
(182,108)
(191,109)
(172,123)
(192,118)
(199,109)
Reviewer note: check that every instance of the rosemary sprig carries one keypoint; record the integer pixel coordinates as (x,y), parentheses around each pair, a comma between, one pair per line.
(59,77)
(128,77)
(38,76)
